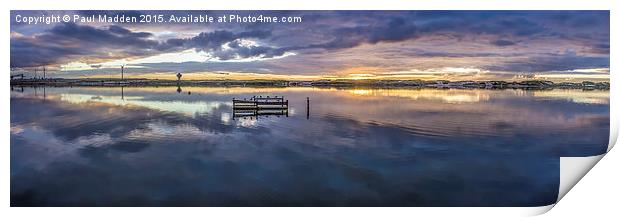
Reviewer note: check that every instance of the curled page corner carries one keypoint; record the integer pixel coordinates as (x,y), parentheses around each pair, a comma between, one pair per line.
(613,133)
(538,210)
(572,169)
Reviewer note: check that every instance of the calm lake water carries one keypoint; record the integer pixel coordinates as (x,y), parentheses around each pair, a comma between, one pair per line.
(148,146)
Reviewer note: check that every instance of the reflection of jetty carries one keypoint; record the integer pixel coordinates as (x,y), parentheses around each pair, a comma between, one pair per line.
(260,106)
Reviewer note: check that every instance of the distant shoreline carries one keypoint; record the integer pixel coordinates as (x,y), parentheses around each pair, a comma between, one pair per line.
(527,84)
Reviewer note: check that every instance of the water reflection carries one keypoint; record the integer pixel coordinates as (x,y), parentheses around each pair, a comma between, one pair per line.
(447,96)
(152,146)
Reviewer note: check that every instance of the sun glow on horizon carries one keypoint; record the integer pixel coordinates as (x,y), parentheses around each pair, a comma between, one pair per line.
(111,70)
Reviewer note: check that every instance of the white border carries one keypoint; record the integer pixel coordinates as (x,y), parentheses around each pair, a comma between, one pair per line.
(281,5)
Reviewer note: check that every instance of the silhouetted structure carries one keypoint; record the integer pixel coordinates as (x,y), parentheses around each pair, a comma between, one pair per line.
(260,106)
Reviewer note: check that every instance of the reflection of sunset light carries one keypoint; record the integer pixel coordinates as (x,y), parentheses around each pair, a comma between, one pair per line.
(361,92)
(449,96)
(389,106)
(463,98)
(588,97)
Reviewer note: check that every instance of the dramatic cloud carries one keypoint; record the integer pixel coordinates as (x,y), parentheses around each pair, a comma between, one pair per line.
(397,29)
(70,42)
(326,42)
(85,43)
(562,62)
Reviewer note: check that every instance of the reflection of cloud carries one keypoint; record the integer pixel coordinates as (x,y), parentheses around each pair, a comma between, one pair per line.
(38,141)
(246,122)
(226,118)
(160,131)
(15,129)
(187,108)
(375,149)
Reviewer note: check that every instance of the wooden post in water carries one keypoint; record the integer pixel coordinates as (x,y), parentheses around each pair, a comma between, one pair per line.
(233,113)
(307,107)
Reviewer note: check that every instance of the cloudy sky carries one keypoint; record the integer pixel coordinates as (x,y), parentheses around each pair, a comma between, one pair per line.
(453,45)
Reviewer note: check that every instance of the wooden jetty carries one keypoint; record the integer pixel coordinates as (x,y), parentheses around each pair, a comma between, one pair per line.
(260,106)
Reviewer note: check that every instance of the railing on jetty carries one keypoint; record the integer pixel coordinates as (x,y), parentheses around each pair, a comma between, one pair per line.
(260,106)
